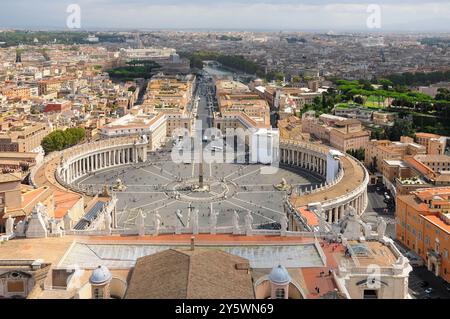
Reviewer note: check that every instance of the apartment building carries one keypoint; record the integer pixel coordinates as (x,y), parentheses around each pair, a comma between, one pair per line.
(423,225)
(434,143)
(153,126)
(341,133)
(239,108)
(249,104)
(171,96)
(16,92)
(434,168)
(379,150)
(24,137)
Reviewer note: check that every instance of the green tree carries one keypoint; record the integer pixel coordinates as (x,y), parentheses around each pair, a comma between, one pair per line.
(59,140)
(401,127)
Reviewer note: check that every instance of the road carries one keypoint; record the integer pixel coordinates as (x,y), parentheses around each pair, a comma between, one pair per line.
(421,274)
(204,113)
(378,208)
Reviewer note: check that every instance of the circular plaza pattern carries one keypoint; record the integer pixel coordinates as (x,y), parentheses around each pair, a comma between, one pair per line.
(167,187)
(152,182)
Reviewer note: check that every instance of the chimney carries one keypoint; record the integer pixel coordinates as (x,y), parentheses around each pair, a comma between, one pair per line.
(192,243)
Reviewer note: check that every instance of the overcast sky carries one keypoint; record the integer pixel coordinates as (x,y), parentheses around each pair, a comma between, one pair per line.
(396,15)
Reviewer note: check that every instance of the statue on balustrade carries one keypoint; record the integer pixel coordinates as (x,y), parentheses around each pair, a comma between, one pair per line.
(235,222)
(381,229)
(248,222)
(284,222)
(194,221)
(108,222)
(140,222)
(9,226)
(67,222)
(156,223)
(213,222)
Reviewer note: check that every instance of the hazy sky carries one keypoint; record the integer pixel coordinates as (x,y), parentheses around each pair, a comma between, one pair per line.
(401,15)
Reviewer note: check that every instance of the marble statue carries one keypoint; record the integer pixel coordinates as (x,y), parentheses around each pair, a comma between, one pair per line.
(354,225)
(367,230)
(213,222)
(55,228)
(140,222)
(67,222)
(381,229)
(235,222)
(248,222)
(156,223)
(119,186)
(178,223)
(194,222)
(284,223)
(283,186)
(9,226)
(108,221)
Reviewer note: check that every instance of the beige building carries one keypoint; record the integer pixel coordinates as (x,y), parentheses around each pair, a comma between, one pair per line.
(26,137)
(378,151)
(171,96)
(151,125)
(250,104)
(435,144)
(238,108)
(342,133)
(383,118)
(435,169)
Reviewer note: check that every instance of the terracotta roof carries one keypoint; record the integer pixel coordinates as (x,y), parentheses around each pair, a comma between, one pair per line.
(190,274)
(427,135)
(437,222)
(311,218)
(63,202)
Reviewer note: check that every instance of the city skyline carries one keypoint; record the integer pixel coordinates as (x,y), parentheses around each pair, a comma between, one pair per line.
(257,15)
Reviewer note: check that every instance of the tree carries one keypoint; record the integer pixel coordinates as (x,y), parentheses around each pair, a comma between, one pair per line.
(386,84)
(59,140)
(402,127)
(296,79)
(359,154)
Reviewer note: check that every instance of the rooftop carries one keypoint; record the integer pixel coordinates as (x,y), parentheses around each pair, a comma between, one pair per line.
(190,274)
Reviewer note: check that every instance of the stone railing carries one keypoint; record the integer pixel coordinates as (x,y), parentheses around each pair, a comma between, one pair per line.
(362,187)
(43,163)
(341,198)
(150,230)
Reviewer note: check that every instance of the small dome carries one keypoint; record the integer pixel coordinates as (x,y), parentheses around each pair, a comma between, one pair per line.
(100,276)
(279,275)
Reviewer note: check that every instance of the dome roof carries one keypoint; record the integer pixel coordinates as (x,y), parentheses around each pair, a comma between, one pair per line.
(100,275)
(279,275)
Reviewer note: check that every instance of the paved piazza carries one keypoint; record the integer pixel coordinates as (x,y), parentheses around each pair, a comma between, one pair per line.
(152,186)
